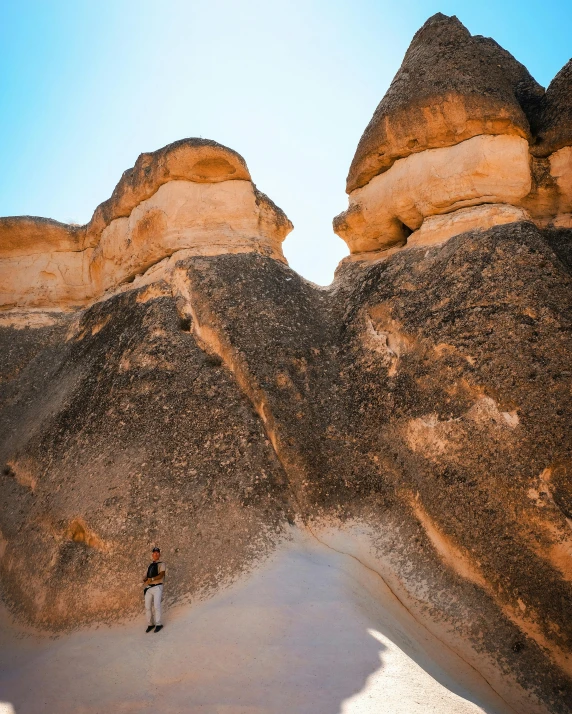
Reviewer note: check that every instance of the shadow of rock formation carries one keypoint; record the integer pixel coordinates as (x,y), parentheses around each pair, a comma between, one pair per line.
(308,632)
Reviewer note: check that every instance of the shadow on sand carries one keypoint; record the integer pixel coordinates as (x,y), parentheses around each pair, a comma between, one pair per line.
(298,636)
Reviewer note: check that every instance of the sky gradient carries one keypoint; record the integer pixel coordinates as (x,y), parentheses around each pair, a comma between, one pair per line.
(85,87)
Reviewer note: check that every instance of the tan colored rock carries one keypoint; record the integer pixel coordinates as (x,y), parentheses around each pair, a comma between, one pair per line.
(450,87)
(550,201)
(561,170)
(22,319)
(210,219)
(438,229)
(58,278)
(197,160)
(542,201)
(484,169)
(26,235)
(194,195)
(445,137)
(562,221)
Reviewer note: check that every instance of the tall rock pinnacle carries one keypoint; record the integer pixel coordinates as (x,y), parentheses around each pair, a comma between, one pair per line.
(464,139)
(451,86)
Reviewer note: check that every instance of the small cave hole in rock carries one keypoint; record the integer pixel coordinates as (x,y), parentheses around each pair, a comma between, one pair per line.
(406,230)
(185,324)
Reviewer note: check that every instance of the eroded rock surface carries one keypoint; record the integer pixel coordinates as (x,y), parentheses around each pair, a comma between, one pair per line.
(484,169)
(418,410)
(193,195)
(450,87)
(462,124)
(413,418)
(554,123)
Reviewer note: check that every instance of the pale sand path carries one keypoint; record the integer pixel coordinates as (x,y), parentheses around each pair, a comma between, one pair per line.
(310,632)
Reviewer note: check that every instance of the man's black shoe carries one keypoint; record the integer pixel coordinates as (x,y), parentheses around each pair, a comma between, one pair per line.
(149,628)
(158,628)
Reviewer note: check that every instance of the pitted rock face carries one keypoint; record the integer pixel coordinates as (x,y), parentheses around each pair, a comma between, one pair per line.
(415,416)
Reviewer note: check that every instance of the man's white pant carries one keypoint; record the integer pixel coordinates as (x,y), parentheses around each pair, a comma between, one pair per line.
(153,597)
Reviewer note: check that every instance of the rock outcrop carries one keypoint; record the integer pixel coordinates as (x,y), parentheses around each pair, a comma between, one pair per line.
(193,195)
(435,182)
(413,418)
(451,86)
(462,124)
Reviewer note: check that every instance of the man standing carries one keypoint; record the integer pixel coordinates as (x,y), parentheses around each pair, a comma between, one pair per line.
(153,582)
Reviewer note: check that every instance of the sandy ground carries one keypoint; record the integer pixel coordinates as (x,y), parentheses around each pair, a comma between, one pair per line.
(309,632)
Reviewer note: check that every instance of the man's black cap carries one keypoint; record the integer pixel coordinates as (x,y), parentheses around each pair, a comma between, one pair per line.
(156,550)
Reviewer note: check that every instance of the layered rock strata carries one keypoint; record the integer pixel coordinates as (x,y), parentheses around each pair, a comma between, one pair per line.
(450,87)
(435,182)
(193,195)
(462,124)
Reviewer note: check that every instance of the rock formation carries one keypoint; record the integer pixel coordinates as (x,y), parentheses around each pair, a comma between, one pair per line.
(450,87)
(193,195)
(463,124)
(413,418)
(554,121)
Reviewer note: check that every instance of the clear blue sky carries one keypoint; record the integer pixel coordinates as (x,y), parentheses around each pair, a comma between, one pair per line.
(86,86)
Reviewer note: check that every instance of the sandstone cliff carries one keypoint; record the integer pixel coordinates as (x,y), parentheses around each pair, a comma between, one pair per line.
(414,416)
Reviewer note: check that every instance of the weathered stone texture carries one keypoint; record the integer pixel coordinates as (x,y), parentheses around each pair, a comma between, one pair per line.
(414,416)
(451,86)
(462,124)
(129,433)
(426,397)
(481,170)
(193,195)
(554,123)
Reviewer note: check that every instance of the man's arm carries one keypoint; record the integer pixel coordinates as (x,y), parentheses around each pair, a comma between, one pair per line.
(156,580)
